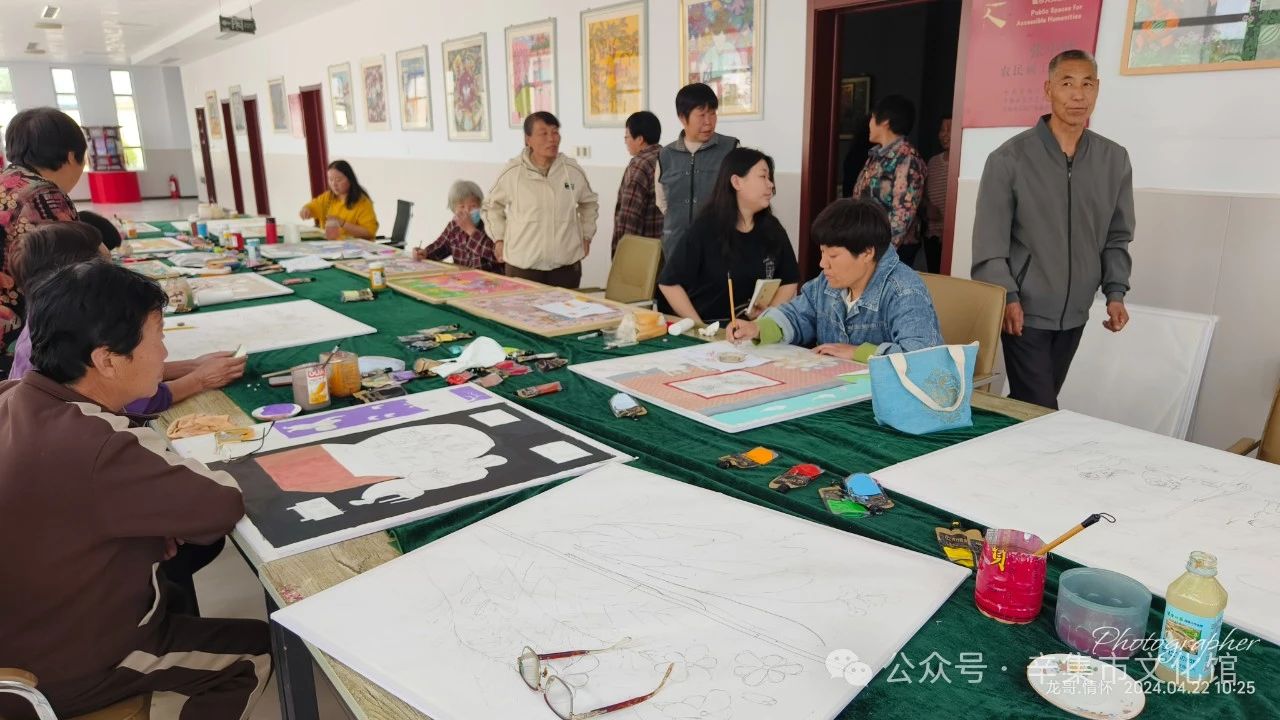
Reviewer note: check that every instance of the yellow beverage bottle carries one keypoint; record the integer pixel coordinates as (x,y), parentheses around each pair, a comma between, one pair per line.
(1192,624)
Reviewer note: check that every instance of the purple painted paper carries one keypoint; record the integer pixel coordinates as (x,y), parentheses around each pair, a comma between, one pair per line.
(353,416)
(469,394)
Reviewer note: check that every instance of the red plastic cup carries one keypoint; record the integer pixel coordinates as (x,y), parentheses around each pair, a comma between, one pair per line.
(1010,585)
(272,236)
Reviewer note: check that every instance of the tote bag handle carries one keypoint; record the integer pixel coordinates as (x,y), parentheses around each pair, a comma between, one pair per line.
(899,361)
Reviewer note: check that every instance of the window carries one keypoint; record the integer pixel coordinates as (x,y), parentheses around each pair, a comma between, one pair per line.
(127,118)
(64,85)
(8,106)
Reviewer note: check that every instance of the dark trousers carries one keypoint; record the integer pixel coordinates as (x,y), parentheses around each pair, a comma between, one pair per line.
(933,254)
(1037,362)
(180,570)
(220,666)
(568,276)
(907,254)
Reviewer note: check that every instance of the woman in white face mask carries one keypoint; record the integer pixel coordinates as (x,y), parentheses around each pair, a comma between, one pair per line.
(464,237)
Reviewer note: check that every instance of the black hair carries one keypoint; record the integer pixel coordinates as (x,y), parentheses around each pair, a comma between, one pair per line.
(53,246)
(40,139)
(110,233)
(899,111)
(541,116)
(1066,55)
(854,224)
(356,191)
(721,210)
(86,306)
(694,96)
(645,124)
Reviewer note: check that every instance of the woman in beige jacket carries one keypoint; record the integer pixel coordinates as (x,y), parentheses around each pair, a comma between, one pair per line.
(541,211)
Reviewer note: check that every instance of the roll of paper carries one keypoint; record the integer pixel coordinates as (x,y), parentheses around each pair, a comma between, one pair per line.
(681,327)
(214,297)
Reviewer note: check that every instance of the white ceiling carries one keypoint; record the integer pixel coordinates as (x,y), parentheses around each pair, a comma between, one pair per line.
(141,32)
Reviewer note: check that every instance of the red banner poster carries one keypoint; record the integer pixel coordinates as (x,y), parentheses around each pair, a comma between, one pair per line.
(1010,45)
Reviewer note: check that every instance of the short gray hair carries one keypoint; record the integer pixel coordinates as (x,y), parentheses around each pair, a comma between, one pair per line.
(1066,55)
(463,189)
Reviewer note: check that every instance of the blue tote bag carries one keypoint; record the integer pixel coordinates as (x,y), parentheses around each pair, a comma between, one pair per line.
(924,391)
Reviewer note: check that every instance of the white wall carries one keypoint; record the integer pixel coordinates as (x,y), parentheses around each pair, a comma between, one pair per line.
(419,166)
(157,92)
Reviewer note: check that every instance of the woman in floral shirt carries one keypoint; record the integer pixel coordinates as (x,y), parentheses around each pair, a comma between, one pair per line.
(46,159)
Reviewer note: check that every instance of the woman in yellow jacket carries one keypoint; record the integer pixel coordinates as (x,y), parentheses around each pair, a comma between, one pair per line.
(345,210)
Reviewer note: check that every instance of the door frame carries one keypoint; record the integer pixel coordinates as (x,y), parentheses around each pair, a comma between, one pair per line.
(237,191)
(202,131)
(313,129)
(257,164)
(821,125)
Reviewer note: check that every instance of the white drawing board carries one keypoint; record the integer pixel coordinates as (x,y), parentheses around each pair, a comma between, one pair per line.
(326,477)
(284,325)
(736,387)
(217,289)
(149,246)
(748,603)
(328,249)
(1169,497)
(1147,376)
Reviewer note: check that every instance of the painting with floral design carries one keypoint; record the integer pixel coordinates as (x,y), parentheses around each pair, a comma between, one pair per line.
(722,45)
(615,63)
(531,70)
(466,83)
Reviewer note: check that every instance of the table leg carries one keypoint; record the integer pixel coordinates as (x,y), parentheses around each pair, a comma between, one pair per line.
(294,676)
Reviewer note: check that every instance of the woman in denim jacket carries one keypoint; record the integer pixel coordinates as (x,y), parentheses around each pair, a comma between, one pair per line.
(866,302)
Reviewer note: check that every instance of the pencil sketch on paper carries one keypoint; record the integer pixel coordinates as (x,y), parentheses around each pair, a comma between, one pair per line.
(217,289)
(621,556)
(149,246)
(736,388)
(286,325)
(1170,497)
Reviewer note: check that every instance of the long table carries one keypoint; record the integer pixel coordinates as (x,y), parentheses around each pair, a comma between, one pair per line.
(934,674)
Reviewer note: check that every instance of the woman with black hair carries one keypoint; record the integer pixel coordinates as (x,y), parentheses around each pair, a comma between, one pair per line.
(46,159)
(345,209)
(735,238)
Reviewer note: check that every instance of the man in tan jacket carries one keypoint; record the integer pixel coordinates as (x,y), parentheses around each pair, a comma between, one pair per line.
(541,211)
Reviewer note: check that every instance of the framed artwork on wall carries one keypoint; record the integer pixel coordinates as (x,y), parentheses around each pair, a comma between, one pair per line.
(855,104)
(615,63)
(373,74)
(466,86)
(722,45)
(279,105)
(213,114)
(295,116)
(1173,36)
(531,70)
(342,98)
(415,89)
(237,110)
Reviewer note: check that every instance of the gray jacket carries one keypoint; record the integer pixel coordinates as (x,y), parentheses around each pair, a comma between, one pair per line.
(687,181)
(1052,232)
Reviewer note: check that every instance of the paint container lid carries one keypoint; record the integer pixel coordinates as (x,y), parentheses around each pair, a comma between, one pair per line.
(279,411)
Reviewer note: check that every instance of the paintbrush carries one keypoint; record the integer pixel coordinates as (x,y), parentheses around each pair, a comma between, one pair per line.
(1073,531)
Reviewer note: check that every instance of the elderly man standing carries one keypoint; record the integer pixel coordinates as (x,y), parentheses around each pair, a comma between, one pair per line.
(541,212)
(1054,222)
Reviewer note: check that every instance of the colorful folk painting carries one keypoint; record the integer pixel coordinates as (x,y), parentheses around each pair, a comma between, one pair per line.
(615,72)
(721,44)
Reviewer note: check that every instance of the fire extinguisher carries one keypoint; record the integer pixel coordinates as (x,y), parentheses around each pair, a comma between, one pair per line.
(173,187)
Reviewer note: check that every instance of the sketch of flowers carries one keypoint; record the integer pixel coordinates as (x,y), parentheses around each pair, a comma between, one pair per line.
(696,658)
(756,671)
(715,705)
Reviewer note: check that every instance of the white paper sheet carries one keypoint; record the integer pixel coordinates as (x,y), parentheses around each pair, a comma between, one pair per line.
(1169,497)
(748,604)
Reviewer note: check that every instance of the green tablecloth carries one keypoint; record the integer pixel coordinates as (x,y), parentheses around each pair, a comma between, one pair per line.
(841,441)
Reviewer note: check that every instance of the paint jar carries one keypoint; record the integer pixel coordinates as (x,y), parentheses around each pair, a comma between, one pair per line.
(1102,613)
(1010,584)
(202,229)
(273,235)
(253,255)
(311,386)
(194,221)
(377,277)
(344,373)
